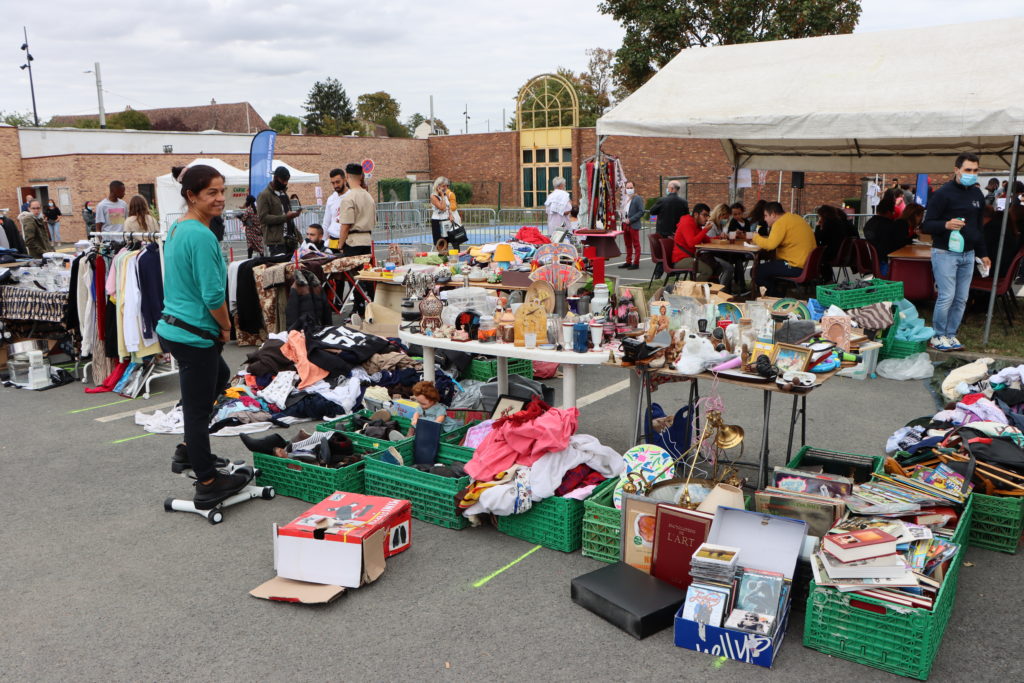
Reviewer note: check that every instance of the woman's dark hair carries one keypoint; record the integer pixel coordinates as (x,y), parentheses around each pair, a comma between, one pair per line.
(914,214)
(250,201)
(757,213)
(887,206)
(86,205)
(196,178)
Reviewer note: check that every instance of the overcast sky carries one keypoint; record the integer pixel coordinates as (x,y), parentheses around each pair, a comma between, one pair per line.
(162,54)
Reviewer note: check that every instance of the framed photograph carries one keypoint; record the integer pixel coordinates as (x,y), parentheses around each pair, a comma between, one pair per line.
(761,348)
(639,523)
(791,358)
(507,405)
(639,300)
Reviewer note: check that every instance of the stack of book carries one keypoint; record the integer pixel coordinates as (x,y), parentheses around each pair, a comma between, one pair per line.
(896,495)
(746,599)
(812,496)
(891,560)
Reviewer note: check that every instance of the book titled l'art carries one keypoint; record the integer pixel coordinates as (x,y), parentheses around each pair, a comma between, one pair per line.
(678,533)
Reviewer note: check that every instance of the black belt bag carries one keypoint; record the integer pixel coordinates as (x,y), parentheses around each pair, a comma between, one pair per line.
(198,331)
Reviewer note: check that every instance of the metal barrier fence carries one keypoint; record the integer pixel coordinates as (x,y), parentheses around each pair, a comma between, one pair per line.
(536,217)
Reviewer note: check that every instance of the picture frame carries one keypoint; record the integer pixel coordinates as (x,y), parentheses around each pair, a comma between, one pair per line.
(838,330)
(506,405)
(790,358)
(639,526)
(761,348)
(639,300)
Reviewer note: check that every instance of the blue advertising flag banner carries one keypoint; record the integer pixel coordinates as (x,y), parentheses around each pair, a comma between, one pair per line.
(261,160)
(922,189)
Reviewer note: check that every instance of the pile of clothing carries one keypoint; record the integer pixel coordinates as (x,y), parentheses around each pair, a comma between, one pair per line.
(983,412)
(532,455)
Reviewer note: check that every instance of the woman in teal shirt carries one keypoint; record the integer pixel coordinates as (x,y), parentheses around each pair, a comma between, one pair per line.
(195,325)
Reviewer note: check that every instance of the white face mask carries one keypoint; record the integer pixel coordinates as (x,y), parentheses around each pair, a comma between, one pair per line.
(630,191)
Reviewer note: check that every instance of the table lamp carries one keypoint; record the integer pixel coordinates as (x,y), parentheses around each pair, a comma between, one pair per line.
(503,255)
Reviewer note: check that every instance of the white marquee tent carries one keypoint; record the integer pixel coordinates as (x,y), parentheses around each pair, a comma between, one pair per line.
(902,101)
(168,190)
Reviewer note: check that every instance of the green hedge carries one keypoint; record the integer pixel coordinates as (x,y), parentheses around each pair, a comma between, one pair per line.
(400,186)
(463,192)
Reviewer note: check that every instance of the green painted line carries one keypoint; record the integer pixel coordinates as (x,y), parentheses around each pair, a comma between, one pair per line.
(507,566)
(132,438)
(105,405)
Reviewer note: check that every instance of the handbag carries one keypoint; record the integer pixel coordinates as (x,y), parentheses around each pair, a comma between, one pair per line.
(457,235)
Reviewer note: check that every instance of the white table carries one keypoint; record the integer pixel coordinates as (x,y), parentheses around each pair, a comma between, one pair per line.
(568,359)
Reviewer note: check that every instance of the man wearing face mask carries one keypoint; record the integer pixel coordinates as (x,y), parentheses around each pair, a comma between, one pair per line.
(953,218)
(632,213)
(274,210)
(33,226)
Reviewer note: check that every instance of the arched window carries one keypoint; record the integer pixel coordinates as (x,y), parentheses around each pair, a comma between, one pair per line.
(547,109)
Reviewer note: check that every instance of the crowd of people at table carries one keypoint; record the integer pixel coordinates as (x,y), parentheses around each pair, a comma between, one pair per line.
(786,241)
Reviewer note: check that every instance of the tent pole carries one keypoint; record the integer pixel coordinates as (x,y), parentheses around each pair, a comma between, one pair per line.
(735,182)
(1002,236)
(778,195)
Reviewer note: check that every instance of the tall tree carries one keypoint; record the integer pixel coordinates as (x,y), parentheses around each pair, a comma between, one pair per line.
(326,103)
(380,107)
(284,124)
(656,30)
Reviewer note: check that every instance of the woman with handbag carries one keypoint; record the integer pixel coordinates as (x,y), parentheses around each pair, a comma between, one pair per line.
(441,216)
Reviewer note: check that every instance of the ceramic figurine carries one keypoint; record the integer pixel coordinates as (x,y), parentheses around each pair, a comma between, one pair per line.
(430,310)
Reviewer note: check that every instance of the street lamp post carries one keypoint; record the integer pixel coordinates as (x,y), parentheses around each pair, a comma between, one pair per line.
(99,94)
(31,84)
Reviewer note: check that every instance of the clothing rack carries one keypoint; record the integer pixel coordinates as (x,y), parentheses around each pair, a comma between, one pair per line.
(167,369)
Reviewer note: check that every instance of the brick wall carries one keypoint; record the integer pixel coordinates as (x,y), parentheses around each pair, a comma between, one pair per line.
(483,159)
(87,176)
(11,172)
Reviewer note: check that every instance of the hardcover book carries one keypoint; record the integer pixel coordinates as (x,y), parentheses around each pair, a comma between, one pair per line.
(678,534)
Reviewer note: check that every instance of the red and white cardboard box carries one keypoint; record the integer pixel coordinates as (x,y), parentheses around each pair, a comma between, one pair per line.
(343,540)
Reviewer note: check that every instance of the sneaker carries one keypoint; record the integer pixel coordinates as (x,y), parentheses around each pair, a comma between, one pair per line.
(625,266)
(954,344)
(940,343)
(222,487)
(180,463)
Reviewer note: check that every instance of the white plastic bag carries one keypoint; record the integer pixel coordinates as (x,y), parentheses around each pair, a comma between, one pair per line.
(918,366)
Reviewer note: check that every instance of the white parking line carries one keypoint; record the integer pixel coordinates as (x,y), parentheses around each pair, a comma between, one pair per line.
(142,405)
(602,393)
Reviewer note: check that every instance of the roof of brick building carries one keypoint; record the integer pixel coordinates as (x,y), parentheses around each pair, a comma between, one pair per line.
(236,117)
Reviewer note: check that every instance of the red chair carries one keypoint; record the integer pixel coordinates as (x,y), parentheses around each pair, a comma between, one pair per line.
(661,253)
(867,258)
(1004,291)
(812,269)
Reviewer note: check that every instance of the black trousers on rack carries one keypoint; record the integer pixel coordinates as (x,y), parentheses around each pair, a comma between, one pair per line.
(203,375)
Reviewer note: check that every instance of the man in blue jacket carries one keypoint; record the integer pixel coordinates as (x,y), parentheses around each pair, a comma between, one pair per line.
(955,208)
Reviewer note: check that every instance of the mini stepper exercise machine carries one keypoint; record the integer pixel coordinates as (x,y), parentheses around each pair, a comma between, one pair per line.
(215,515)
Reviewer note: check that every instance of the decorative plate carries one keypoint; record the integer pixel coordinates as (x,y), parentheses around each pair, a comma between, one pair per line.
(792,306)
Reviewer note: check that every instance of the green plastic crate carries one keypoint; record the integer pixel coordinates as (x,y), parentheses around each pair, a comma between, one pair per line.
(601,531)
(346,425)
(797,460)
(555,523)
(485,369)
(313,483)
(997,523)
(432,496)
(895,348)
(877,290)
(879,634)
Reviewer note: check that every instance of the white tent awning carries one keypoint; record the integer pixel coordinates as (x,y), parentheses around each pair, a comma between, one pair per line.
(890,101)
